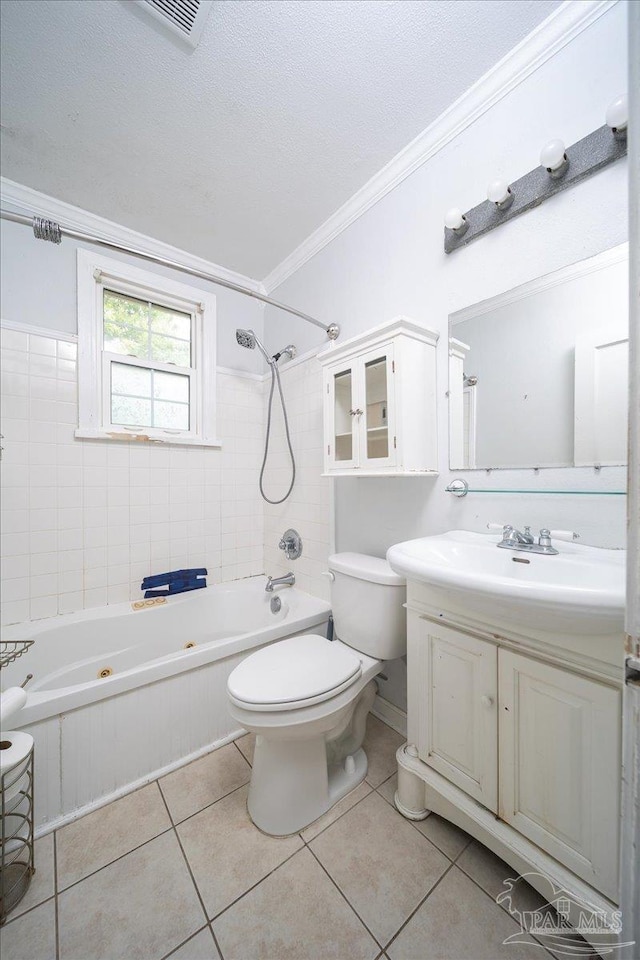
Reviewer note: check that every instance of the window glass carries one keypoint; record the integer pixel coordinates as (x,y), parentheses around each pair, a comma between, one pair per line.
(142,397)
(142,329)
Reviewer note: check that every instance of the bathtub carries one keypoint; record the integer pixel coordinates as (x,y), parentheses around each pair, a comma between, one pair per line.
(123,694)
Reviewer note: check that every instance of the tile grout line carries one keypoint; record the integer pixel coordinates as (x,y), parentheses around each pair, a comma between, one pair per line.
(193,879)
(324,829)
(235,743)
(167,956)
(493,900)
(117,859)
(423,901)
(343,895)
(179,823)
(256,884)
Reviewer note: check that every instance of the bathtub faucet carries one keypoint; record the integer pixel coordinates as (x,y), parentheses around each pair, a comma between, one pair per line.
(287,581)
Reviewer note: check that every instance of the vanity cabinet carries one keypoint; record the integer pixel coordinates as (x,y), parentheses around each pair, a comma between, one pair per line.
(520,729)
(379,394)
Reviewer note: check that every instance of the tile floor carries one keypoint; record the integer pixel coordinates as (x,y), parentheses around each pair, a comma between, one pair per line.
(178,870)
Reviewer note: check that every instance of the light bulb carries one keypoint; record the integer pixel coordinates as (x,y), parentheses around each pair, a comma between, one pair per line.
(498,191)
(617,115)
(454,219)
(553,157)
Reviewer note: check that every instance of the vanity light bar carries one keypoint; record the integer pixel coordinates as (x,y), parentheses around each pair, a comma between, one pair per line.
(559,168)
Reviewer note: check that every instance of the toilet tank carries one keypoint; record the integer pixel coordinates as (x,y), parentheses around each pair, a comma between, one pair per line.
(366,600)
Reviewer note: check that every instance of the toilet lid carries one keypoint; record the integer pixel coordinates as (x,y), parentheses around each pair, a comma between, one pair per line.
(300,668)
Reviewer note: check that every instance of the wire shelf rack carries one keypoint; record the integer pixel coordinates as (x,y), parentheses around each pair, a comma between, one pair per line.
(10,650)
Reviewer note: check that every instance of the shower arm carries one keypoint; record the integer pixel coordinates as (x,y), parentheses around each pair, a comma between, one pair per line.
(50,230)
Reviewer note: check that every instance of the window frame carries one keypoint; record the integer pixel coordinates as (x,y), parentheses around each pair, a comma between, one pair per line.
(97,273)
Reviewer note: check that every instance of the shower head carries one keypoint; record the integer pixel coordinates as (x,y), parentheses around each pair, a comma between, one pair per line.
(248,339)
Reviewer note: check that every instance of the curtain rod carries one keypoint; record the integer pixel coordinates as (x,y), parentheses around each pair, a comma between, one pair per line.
(50,230)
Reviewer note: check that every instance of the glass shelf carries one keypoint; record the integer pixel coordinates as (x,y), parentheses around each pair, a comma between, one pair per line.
(460,488)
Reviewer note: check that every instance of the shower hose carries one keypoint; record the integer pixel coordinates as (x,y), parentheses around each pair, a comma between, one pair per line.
(275,377)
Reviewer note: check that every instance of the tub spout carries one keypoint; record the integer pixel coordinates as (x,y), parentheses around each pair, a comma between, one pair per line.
(287,580)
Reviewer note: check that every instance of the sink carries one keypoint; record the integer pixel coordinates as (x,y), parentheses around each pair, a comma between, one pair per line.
(580,590)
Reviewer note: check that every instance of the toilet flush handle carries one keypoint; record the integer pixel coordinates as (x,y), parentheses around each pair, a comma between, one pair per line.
(330,574)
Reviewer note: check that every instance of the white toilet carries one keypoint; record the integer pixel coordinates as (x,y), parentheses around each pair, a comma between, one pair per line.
(307,698)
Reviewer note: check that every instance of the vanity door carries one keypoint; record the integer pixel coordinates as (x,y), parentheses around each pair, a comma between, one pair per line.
(560,765)
(456,705)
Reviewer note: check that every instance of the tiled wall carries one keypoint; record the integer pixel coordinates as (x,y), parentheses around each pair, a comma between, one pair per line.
(307,509)
(84,520)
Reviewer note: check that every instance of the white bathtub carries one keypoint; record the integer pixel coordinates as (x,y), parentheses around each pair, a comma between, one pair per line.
(162,706)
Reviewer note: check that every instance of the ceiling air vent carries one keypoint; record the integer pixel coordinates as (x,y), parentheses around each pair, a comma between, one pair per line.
(186,18)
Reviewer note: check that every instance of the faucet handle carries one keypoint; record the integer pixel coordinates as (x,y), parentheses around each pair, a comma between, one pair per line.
(569,535)
(497,527)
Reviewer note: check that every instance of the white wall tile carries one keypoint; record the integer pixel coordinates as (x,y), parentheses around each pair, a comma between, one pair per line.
(89,519)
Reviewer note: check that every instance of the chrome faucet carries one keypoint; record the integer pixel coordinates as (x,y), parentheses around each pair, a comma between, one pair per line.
(287,581)
(512,539)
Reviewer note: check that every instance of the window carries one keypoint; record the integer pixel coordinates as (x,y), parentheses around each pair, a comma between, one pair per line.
(146,357)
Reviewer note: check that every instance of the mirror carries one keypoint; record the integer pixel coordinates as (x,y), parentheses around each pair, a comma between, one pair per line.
(538,376)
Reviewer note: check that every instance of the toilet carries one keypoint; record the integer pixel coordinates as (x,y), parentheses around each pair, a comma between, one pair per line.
(307,698)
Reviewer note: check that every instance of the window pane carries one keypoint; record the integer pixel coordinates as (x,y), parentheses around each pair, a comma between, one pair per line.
(131,411)
(125,310)
(170,386)
(126,327)
(167,350)
(170,322)
(126,340)
(135,381)
(172,416)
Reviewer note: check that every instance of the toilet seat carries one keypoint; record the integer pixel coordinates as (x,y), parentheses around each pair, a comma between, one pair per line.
(293,673)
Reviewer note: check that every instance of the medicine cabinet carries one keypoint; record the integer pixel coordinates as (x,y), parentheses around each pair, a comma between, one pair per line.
(379,392)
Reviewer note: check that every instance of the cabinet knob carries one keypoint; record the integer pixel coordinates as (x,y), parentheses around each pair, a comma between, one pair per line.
(486,701)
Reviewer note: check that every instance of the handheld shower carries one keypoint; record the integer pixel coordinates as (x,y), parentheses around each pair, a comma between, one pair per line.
(248,339)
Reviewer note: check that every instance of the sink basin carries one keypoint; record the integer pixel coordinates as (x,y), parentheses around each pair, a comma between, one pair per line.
(580,590)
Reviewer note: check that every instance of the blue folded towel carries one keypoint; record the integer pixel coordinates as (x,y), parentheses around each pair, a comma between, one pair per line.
(176,581)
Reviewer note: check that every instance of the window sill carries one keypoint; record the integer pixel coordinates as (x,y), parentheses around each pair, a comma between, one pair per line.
(83,433)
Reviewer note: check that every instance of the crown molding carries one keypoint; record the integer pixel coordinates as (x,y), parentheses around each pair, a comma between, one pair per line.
(559,29)
(32,202)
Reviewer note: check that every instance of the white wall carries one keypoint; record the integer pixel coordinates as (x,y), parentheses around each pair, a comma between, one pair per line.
(391,261)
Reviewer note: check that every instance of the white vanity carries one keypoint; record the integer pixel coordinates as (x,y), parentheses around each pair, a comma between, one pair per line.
(514,703)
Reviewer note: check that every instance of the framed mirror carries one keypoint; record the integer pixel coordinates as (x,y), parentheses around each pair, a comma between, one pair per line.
(538,376)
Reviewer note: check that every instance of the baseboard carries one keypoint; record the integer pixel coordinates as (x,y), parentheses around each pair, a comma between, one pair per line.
(393,716)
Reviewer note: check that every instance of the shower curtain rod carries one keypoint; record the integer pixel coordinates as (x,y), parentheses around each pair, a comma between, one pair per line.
(50,230)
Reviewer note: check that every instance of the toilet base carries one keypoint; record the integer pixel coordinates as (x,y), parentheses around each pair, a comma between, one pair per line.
(291,784)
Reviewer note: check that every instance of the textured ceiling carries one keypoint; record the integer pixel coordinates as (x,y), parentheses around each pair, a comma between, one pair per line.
(238,150)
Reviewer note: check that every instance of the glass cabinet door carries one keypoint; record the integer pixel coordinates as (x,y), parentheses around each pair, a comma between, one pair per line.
(378,439)
(343,417)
